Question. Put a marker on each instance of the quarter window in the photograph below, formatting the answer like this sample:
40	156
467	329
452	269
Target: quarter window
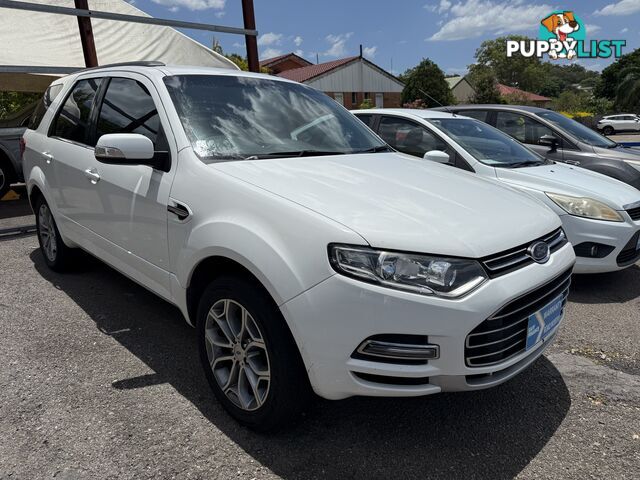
128	108
72	122
522	128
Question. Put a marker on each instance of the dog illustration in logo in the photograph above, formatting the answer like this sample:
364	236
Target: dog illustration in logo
562	25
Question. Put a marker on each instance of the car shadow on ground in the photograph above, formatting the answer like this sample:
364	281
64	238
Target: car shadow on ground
614	287
487	434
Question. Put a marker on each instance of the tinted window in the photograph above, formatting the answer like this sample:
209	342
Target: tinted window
49	96
128	108
72	121
409	137
366	119
477	114
522	127
487	144
236	117
576	129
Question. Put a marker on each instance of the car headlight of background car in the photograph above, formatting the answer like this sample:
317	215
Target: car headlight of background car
424	274
585	207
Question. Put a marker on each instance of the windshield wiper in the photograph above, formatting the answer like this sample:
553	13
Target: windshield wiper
522	164
294	153
379	148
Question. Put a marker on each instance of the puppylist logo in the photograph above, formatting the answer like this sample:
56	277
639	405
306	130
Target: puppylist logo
563	35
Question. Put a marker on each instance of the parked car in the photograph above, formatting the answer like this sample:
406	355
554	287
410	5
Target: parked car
325	260
560	139
11	130
626	122
600	215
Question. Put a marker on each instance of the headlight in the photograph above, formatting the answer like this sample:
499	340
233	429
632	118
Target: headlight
585	207
427	275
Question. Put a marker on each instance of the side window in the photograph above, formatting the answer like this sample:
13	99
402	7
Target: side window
522	128
366	119
409	137
477	114
128	108
72	122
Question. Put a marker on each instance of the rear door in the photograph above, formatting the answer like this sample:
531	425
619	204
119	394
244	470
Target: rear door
131	200
529	131
68	155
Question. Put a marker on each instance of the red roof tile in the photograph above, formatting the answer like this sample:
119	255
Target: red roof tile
506	90
303	74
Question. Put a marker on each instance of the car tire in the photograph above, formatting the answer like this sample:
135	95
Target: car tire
58	256
608	130
6	178
249	356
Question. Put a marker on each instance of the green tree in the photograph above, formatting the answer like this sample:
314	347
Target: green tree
426	77
485	84
612	76
628	90
13	102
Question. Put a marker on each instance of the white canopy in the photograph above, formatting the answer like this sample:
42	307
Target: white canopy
46	39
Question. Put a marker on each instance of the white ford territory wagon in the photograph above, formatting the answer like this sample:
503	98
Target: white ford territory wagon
306	254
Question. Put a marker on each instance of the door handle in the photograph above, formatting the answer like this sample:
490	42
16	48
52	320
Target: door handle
48	158
93	175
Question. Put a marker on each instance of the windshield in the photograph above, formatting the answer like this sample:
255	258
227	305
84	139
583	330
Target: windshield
230	118
582	133
487	144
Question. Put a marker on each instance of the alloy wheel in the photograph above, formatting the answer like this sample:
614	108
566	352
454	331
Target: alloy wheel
3	179
47	232
237	354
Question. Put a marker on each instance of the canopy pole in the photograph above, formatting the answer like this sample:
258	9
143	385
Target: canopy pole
251	40
86	36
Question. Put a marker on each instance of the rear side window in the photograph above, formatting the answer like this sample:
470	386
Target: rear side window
128	108
49	96
72	122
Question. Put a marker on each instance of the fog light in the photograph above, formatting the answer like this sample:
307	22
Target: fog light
399	351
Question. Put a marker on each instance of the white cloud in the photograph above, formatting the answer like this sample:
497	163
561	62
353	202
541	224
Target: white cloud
473	18
298	41
456	71
592	28
338	43
238	45
622	7
270	39
270	53
300	53
192	4
442	7
624	30
220	14
369	52
174	9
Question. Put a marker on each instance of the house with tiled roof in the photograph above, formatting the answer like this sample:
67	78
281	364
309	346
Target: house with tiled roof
350	81
522	96
281	63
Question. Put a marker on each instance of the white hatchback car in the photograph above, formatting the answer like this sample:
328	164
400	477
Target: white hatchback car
303	251
600	215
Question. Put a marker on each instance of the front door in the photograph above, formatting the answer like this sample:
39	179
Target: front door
379	100
131	211
529	131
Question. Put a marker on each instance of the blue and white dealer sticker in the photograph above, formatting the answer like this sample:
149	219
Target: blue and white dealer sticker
544	322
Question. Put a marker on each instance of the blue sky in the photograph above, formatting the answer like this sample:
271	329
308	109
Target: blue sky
397	34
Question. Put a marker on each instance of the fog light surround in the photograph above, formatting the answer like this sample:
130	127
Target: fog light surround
399	351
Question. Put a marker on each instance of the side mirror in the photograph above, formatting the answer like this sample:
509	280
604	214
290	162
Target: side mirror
125	149
437	156
549	141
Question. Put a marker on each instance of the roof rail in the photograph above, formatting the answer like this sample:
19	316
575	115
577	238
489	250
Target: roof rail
152	63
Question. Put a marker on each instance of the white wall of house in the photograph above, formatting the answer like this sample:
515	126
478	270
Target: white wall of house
463	91
356	77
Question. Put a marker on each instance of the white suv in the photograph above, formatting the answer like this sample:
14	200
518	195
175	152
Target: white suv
304	252
619	123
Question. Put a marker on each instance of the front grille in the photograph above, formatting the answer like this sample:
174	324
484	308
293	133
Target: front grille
630	254
515	258
504	334
634	213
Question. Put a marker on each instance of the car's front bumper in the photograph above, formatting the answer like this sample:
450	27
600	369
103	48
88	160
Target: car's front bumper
620	237
330	320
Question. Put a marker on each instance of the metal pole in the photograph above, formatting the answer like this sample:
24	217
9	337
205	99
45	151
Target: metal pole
86	36
251	40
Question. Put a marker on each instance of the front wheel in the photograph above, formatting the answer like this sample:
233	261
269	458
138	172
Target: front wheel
5	179
248	354
608	130
56	254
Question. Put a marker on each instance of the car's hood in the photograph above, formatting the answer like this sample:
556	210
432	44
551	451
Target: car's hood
569	180
620	152
399	202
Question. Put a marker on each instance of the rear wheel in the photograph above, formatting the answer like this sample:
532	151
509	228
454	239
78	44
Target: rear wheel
56	254
248	354
608	130
6	177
